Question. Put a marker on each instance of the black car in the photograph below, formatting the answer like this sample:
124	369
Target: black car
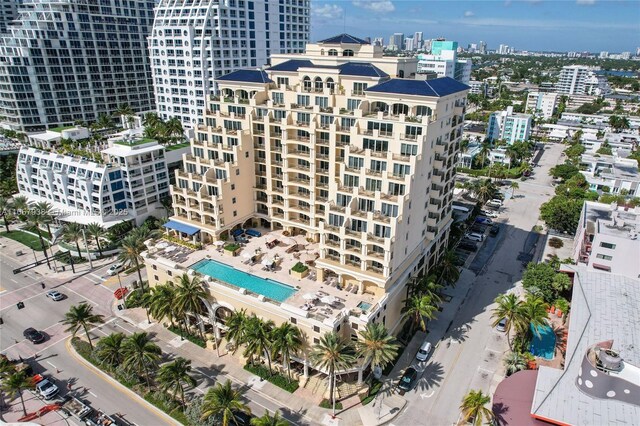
241	418
494	230
406	381
468	246
33	335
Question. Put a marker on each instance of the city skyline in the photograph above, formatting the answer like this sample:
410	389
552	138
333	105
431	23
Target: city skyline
526	25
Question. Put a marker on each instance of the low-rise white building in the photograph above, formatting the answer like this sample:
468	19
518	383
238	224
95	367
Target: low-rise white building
607	239
610	173
126	182
52	137
542	104
509	126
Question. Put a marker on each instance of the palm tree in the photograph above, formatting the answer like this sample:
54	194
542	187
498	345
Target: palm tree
104	122
124	110
514	362
237	328
143	233
45	210
485	190
514	185
376	346
428	285
332	353
173	129
109	349
258	337
175	376
131	249
96	231
485	150
14	384
34	220
82	316
141	355
509	308
189	294
161	302
5	211
449	272
167	203
534	312
151	119
269	420
72	233
285	341
221	402
512	152
21	206
473	408
416	309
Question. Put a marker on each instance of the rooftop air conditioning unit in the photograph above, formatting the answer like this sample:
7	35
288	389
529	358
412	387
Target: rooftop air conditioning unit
609	359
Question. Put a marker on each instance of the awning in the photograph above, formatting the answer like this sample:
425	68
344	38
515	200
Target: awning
513	398
181	227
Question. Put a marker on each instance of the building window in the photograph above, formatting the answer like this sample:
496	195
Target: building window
154	267
293	320
170	273
316	329
155	277
608	245
604	257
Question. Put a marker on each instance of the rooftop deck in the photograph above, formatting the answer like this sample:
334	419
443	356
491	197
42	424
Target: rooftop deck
288	251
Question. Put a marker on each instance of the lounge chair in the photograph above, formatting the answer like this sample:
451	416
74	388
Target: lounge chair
355	289
348	289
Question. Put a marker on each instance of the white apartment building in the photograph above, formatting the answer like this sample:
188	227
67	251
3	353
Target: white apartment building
330	147
610	173
607	239
51	138
542	104
446	64
194	42
127	184
8	12
65	61
509	126
582	80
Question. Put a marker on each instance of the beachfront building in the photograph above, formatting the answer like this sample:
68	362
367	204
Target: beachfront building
330	160
123	182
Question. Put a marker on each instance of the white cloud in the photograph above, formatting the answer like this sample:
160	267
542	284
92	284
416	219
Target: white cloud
468	14
585	2
375	5
327	11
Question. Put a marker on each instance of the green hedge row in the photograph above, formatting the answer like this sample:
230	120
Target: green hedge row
190	337
277	379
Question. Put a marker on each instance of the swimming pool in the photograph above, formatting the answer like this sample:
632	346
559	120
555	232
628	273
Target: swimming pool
364	306
545	345
268	288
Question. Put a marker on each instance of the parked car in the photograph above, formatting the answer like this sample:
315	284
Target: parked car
46	389
33	335
498	195
475	236
55	295
115	268
406	381
496	201
495	229
502	325
483	219
424	351
489	213
468	246
494	204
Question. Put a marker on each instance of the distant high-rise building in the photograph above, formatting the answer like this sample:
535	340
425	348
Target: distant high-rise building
444	61
378	41
426	45
8	12
482	47
397	40
638	51
503	49
189	51
625	55
408	44
582	80
65	61
604	55
417	39
542	104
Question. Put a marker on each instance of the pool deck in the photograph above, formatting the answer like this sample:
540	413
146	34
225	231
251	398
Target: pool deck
284	251
560	328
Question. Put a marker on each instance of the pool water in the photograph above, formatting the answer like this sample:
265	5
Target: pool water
545	345
364	306
268	288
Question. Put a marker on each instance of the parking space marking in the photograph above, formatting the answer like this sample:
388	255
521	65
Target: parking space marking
485	370
51	365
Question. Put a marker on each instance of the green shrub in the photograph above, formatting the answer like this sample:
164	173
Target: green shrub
276	379
163	402
389	367
231	247
190	337
555	242
136	298
182	243
326	403
299	267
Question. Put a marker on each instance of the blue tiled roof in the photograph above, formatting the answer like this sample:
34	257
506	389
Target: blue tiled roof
438	87
364	69
344	38
292	65
247	76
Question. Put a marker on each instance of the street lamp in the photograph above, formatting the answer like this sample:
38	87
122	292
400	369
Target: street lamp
124	302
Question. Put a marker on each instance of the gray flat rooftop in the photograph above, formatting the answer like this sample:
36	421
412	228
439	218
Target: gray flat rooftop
604	307
600	218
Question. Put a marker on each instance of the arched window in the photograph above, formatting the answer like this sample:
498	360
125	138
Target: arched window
318	85
330	84
333	52
423	110
347	52
306	84
400	109
322	52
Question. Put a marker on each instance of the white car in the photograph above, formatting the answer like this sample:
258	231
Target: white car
502	325
496	204
489	213
115	268
55	295
474	236
47	389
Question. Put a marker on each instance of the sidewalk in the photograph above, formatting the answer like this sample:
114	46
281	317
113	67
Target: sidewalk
207	363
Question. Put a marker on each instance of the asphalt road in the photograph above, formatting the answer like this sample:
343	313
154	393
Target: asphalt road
473	357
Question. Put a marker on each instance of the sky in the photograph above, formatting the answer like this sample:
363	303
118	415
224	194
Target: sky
537	25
